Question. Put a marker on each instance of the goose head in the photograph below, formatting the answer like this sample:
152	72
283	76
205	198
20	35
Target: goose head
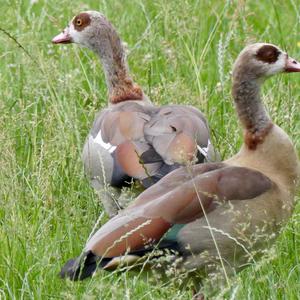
262	60
91	29
86	29
254	64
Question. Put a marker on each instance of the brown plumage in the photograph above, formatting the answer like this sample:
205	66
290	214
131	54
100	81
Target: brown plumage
132	138
246	199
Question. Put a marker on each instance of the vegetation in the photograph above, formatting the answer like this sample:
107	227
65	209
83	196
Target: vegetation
180	52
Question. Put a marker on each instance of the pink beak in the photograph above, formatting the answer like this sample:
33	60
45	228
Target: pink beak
62	38
292	65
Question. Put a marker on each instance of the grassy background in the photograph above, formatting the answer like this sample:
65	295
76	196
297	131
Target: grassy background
180	52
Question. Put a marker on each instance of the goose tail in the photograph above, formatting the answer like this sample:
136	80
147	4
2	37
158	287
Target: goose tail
82	267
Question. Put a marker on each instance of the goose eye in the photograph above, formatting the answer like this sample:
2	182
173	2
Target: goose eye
81	21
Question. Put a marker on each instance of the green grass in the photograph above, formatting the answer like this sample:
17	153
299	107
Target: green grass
180	52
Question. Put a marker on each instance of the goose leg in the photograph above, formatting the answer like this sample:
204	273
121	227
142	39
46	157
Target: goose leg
109	196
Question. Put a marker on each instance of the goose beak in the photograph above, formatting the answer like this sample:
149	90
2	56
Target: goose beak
292	65
62	38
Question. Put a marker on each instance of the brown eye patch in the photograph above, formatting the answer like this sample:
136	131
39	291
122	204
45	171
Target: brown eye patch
268	54
81	21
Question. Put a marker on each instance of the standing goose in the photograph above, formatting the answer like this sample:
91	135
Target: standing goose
132	138
242	201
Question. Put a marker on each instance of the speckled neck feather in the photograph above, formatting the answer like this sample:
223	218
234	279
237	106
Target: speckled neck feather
250	109
107	44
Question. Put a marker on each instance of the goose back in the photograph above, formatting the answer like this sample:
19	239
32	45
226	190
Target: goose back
141	141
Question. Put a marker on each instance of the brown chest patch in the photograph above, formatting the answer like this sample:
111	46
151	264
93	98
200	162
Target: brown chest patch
268	54
252	139
81	21
126	92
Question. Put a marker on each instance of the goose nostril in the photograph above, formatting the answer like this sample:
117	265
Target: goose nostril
294	62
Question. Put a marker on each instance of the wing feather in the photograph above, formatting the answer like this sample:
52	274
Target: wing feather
156	209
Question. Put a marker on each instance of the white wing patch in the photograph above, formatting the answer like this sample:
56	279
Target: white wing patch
204	150
107	146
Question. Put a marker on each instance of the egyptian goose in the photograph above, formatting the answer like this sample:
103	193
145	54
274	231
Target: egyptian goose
132	138
241	202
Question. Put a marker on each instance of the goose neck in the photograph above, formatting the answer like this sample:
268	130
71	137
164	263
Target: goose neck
250	109
112	55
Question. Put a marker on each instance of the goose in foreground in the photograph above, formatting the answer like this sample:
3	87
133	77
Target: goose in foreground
241	202
132	138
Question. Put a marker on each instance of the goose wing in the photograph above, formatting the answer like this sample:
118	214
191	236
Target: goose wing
179	134
176	200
